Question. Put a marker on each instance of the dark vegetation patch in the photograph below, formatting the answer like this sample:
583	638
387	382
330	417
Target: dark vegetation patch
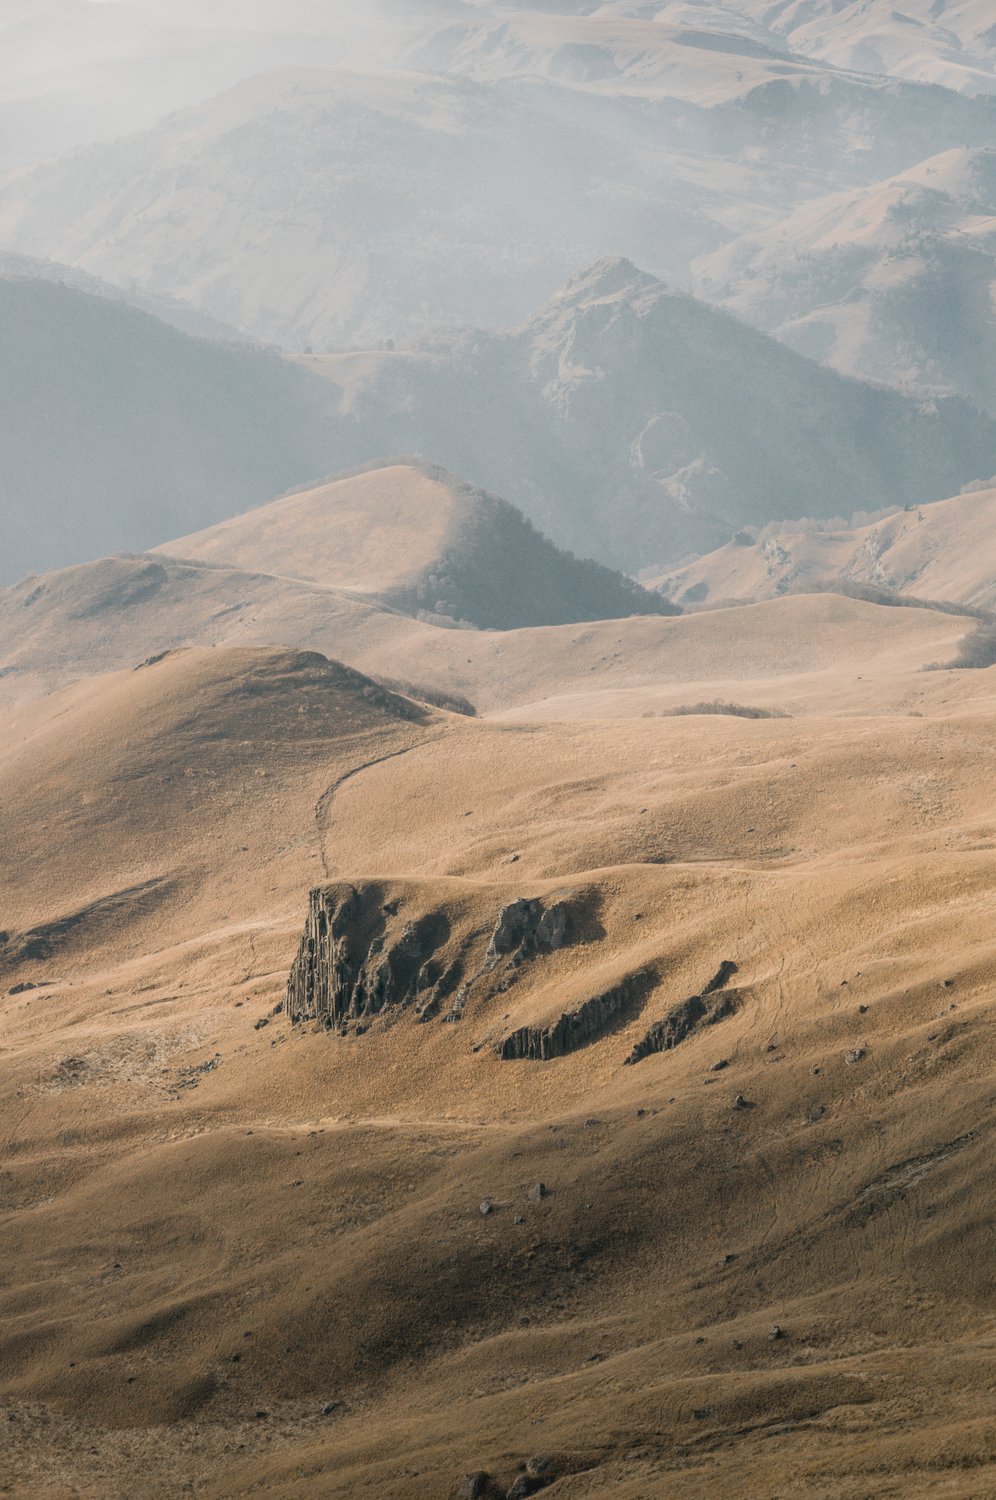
873	593
977	650
735	710
453	703
498	572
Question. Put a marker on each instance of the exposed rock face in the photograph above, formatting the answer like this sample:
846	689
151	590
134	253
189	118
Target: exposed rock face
704	1009
347	969
358	958
578	1027
526	928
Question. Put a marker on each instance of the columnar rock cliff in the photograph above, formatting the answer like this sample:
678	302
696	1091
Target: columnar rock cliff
369	953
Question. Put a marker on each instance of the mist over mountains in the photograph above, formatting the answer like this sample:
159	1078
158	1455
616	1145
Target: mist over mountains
497	739
630	422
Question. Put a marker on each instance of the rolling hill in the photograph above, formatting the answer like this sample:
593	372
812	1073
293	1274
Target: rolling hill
942	551
259	1254
420	540
781	656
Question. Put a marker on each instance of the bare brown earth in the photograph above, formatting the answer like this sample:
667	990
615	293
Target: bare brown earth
239	1261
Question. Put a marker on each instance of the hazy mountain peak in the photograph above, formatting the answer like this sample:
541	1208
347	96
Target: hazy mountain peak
611	276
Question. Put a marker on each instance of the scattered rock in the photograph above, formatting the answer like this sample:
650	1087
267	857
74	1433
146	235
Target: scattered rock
330	1407
538	1191
855	1055
718	1067
741	1103
519	1219
487	1207
263	1021
532	1481
777	1332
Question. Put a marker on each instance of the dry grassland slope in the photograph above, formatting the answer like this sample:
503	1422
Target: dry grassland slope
254	1258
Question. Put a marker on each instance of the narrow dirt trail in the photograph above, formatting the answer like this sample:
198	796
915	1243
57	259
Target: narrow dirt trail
323	807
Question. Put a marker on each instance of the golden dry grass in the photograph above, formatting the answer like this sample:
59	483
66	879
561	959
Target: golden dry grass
300	1229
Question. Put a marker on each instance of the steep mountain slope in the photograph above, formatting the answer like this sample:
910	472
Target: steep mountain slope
357	205
181	315
119	432
691	139
632	422
251	1255
945	551
422	541
896	282
947	42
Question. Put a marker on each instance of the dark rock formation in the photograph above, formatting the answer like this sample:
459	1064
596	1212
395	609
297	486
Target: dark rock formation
526	928
576	1028
347	969
478	1486
360	958
704	1009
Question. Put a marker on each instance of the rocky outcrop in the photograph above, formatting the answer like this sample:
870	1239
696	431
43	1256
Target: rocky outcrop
576	1028
348	968
526	928
363	955
698	1011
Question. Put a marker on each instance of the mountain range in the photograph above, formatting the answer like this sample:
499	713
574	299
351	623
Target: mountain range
497	724
597	419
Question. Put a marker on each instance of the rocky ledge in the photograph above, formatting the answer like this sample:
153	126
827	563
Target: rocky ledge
714	1003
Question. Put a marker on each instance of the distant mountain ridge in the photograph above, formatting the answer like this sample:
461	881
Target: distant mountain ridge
632	422
628	421
892	282
468	139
